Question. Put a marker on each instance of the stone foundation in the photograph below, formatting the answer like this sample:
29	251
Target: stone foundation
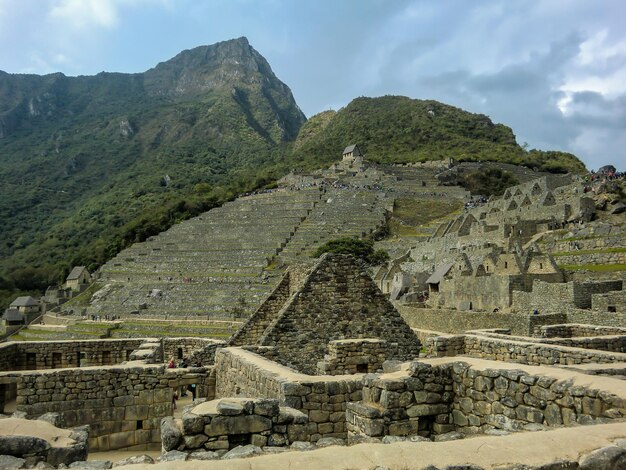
241	373
230	422
123	404
352	356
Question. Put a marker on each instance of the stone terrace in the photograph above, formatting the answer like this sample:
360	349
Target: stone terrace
341	213
208	265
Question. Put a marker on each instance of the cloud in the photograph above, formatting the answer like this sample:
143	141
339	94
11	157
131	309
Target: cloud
83	14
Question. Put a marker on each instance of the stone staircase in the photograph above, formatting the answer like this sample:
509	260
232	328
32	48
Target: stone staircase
341	213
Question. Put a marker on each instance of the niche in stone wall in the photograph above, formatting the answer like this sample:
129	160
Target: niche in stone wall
106	358
57	360
31	361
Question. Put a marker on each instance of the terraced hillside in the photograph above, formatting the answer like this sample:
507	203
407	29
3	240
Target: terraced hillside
214	266
341	213
211	266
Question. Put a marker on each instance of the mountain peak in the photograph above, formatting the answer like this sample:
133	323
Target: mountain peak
197	70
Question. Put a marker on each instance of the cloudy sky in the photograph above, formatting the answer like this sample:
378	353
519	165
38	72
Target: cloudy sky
553	70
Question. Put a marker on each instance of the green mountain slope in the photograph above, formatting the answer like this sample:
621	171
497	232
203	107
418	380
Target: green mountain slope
90	164
397	129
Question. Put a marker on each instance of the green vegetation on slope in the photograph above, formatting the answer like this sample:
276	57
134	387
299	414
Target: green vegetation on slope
397	129
362	249
492	181
90	165
411	216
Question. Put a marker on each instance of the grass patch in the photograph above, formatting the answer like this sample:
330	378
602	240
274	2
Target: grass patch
84	297
418	217
589	252
598	268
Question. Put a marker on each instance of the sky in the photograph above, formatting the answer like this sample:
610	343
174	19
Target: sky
552	70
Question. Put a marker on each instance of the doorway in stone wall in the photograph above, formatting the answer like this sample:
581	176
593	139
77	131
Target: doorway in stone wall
8	394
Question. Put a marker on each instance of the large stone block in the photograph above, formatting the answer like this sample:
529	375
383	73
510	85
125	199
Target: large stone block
427	410
136	412
242	424
404	428
121	439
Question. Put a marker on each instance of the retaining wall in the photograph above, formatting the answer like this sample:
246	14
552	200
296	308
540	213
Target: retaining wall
241	373
122	404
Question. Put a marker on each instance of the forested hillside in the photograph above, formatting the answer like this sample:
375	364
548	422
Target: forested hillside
91	164
397	129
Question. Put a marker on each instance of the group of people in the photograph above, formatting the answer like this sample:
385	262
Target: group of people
104	317
191	388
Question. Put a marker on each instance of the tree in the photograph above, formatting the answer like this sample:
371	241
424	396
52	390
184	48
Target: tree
361	249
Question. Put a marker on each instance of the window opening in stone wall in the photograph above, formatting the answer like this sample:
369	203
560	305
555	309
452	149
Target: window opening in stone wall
57	360
361	368
31	361
540	265
611	309
235	440
106	357
180	353
506	265
128	353
139	424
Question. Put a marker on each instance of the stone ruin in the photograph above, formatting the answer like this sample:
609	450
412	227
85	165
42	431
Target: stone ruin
327	361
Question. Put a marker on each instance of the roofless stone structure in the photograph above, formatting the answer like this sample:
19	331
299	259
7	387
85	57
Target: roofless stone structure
337	300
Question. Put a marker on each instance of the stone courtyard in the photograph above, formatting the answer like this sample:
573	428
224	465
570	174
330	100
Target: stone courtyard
475	348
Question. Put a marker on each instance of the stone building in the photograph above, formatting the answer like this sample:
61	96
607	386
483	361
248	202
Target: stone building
78	278
26	305
491	284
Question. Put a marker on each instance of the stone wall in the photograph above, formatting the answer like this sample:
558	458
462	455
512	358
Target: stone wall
123	404
521	350
571	330
323	399
455	321
351	356
514	400
584	291
561	298
611	302
475	397
38	355
597	318
613	343
407	403
230	422
480	293
534	353
591	258
445	345
196	351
